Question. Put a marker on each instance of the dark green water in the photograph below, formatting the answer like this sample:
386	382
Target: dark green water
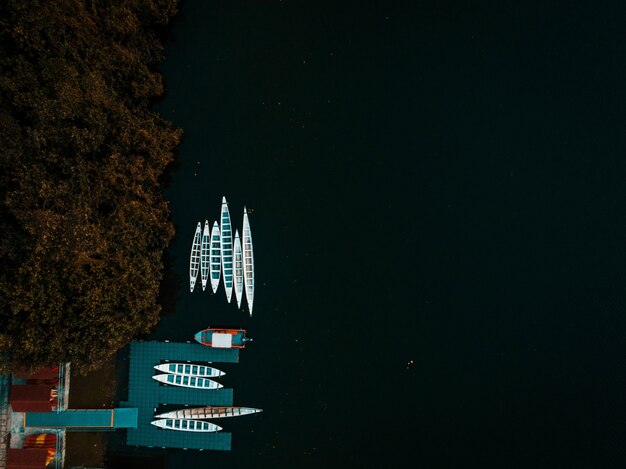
438	228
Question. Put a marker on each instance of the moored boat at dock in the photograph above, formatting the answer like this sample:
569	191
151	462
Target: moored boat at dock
187	381
189	369
194	258
215	257
209	412
204	254
226	241
222	338
238	269
186	425
248	261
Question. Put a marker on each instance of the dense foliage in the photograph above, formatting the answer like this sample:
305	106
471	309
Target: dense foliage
83	220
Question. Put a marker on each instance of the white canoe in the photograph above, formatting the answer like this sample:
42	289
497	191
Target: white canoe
238	269
215	257
211	412
187	381
189	369
186	425
194	258
248	261
227	249
204	254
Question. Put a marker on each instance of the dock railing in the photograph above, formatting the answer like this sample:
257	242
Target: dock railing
5	421
63	389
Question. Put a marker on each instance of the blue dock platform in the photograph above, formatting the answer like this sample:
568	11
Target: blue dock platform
147	394
83	419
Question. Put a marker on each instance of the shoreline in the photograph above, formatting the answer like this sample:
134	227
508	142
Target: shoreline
94	390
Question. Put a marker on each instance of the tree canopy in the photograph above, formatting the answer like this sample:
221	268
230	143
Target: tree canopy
83	220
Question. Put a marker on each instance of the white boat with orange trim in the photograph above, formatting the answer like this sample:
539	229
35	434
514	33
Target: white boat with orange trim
222	338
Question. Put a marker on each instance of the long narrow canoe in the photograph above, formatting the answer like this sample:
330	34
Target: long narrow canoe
194	258
238	269
188	369
227	250
210	412
215	257
248	261
186	425
204	254
187	381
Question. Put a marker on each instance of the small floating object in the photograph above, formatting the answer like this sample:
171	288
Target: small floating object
187	381
186	425
248	261
238	269
204	254
222	338
210	412
227	249
188	369
194	258
215	257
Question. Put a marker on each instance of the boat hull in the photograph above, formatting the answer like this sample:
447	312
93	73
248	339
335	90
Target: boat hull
222	338
194	257
184	425
215	257
248	261
188	369
226	245
204	254
238	269
209	412
187	381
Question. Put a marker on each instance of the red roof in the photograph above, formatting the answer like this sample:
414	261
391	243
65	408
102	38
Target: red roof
49	372
41	440
30	398
27	458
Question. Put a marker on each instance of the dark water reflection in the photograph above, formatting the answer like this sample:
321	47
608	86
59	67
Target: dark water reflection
429	224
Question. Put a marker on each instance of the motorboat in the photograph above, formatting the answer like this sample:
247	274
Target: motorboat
222	338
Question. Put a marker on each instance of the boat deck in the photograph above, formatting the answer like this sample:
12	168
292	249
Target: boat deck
206	336
147	394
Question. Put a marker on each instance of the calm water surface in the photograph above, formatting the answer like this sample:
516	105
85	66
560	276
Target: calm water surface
438	256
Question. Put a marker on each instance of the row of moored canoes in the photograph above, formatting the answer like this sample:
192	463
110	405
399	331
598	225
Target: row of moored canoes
186	375
192	419
214	254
